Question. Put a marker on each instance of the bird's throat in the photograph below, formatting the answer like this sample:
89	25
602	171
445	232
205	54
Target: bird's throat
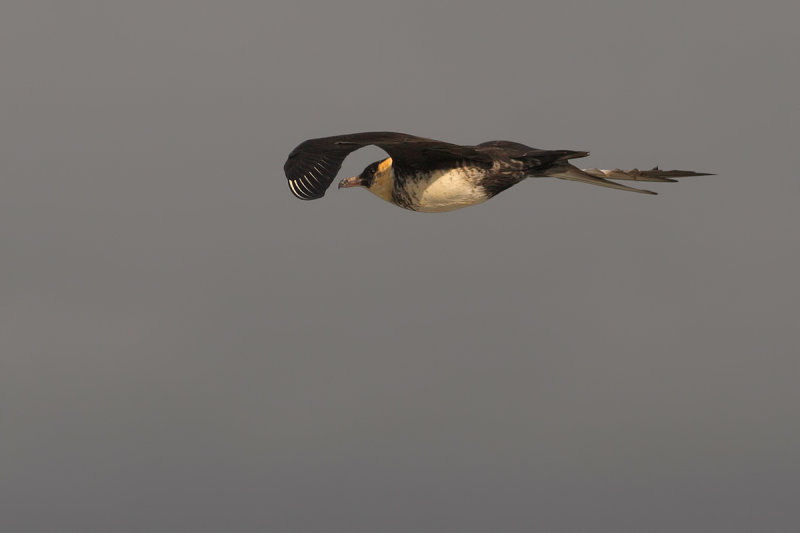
383	180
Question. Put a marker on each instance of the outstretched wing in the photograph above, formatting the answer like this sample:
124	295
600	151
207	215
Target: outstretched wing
313	165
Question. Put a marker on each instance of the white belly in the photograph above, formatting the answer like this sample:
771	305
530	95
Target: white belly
448	190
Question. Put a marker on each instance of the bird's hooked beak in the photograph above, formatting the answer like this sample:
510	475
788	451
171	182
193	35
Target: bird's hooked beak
355	181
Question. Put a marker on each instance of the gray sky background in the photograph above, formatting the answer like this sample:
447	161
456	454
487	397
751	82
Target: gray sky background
184	346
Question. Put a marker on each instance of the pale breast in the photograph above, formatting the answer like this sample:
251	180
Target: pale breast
446	190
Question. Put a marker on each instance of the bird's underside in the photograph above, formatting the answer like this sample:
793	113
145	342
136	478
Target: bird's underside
429	175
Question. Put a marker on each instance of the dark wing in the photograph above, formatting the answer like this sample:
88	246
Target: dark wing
528	154
313	165
511	148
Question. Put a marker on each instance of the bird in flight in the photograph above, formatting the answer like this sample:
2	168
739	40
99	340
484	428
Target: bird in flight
433	176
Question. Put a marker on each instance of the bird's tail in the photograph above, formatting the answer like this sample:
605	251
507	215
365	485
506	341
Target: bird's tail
596	176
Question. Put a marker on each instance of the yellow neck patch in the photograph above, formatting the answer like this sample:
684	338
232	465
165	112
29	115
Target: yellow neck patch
384	165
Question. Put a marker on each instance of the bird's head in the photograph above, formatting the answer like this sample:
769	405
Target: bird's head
362	180
378	177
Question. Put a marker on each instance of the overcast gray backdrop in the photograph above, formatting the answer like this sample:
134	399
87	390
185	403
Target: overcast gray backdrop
186	347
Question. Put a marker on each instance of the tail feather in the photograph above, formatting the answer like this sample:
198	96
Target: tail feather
655	174
566	171
596	176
